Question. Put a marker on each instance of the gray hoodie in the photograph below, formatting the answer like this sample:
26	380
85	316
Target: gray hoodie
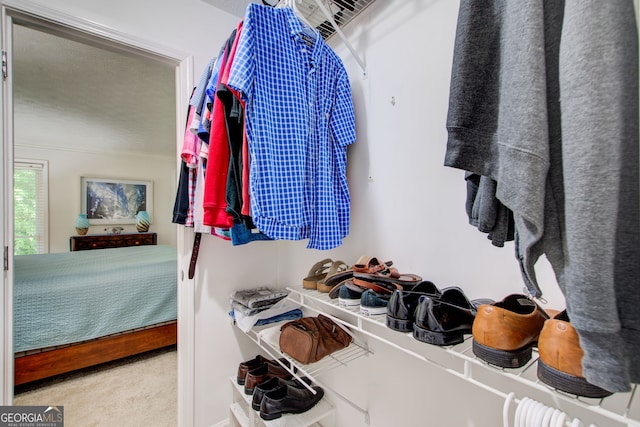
544	100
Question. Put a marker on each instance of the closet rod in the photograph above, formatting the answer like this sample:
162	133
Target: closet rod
333	23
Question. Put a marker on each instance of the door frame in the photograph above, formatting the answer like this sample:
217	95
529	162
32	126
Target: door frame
38	16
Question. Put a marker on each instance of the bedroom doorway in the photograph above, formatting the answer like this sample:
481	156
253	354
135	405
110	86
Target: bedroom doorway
35	28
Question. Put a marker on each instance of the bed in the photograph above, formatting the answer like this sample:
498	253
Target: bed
78	309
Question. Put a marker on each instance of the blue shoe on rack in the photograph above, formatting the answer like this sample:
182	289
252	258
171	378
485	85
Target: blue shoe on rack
349	295
373	303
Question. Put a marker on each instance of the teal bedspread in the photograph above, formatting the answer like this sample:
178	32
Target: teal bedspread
64	298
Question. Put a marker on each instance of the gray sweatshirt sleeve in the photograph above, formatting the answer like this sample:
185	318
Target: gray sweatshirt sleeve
497	118
599	98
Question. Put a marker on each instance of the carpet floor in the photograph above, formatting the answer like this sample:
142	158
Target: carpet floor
137	391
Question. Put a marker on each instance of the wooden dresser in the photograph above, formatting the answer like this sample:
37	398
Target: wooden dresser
102	241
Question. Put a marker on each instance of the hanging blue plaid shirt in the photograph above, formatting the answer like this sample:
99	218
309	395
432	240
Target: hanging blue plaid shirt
299	122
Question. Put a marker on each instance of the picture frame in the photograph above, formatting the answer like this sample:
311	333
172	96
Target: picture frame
115	201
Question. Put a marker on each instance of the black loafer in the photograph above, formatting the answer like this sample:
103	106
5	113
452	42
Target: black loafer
402	305
444	320
288	400
270	385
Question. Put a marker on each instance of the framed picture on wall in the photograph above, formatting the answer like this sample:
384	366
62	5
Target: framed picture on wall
115	201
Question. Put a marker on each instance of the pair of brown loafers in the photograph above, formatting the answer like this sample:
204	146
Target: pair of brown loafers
560	358
258	370
505	332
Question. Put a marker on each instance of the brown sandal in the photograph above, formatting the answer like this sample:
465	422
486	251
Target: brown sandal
370	269
317	272
364	264
371	265
339	271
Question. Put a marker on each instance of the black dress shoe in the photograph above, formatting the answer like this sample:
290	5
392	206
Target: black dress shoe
288	400
402	305
444	320
271	384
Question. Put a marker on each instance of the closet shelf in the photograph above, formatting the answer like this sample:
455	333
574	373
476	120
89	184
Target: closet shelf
329	16
267	337
246	416
270	336
620	409
341	11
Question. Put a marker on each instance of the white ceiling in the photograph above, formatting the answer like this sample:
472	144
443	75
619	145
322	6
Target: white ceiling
234	7
75	96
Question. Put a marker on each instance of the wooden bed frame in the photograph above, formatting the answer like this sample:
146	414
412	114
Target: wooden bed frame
33	367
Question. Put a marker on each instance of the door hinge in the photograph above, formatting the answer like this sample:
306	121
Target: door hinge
6	258
4	65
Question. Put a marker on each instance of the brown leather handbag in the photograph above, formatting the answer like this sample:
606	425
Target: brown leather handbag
309	339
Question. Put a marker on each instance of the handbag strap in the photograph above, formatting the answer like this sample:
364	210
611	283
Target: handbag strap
337	331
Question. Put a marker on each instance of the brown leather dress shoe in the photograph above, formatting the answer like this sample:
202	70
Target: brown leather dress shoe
505	332
267	370
560	362
246	366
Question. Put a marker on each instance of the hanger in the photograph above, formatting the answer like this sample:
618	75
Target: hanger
336	27
328	14
293	5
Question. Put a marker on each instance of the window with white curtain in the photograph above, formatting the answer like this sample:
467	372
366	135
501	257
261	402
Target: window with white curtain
31	206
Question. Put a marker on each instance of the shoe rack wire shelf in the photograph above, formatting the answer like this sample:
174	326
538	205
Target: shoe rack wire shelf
619	409
340	11
267	337
246	416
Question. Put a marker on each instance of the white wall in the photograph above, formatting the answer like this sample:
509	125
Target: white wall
408	208
67	167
